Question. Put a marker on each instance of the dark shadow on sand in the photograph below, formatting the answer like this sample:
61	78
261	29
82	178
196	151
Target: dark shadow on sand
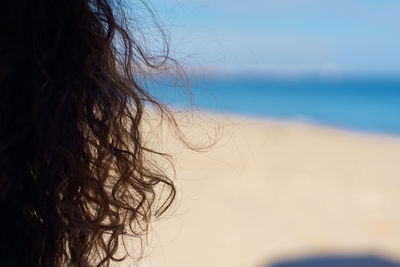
336	261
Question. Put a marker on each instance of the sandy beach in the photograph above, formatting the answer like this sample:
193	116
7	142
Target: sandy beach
272	190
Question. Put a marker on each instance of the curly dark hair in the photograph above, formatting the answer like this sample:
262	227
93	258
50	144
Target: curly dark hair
75	178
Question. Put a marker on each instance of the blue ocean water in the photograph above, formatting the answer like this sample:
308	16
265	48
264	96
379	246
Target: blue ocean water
370	104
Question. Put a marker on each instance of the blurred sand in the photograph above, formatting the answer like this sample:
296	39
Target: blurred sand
269	190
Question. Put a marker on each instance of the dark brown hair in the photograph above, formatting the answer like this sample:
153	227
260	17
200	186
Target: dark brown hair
74	176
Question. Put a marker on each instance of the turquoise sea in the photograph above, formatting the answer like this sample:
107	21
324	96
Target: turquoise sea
368	104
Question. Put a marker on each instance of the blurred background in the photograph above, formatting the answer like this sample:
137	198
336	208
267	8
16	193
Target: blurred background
306	172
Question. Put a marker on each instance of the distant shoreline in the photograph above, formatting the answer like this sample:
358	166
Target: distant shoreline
368	104
225	115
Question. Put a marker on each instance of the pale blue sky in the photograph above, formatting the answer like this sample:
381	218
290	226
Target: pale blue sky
295	36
